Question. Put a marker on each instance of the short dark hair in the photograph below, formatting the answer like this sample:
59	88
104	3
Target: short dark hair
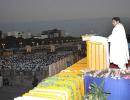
116	19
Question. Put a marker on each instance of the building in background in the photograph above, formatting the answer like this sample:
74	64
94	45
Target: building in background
54	33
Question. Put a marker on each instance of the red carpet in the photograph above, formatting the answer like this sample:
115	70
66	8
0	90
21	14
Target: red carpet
115	66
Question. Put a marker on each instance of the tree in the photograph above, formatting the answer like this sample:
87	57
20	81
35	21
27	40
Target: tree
0	34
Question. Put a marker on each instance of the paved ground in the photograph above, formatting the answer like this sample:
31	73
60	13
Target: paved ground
18	86
10	92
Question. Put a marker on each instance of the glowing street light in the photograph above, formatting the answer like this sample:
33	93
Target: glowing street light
20	44
3	45
33	43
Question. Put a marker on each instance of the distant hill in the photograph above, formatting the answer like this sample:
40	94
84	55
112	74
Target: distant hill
99	26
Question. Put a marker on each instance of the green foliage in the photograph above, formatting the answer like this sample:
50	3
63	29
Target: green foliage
97	92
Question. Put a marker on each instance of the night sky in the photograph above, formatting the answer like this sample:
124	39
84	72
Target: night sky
22	11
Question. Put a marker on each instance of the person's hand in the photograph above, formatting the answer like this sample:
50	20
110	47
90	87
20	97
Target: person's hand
86	37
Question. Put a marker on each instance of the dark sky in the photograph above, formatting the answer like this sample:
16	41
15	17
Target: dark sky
44	10
76	17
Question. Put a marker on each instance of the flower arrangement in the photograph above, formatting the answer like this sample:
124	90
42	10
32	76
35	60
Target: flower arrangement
113	73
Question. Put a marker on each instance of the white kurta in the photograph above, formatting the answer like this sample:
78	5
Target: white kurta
119	53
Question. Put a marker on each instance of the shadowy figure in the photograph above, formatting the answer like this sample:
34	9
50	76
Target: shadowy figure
35	81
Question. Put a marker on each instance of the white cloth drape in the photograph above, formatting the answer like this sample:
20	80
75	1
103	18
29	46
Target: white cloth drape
119	53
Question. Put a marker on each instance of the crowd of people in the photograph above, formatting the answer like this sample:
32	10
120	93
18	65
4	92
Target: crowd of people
30	62
21	65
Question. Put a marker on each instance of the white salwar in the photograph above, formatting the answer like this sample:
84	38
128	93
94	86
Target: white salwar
119	53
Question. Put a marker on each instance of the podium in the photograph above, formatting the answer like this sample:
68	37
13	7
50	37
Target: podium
97	52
